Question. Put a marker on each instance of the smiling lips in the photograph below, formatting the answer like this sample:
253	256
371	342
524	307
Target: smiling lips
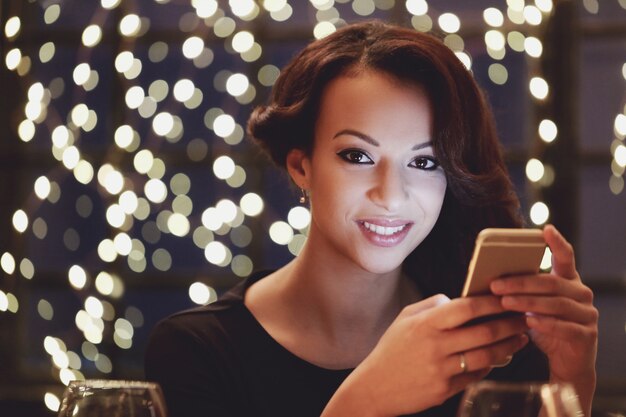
382	230
388	235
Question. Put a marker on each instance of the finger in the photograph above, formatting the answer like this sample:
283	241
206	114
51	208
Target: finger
563	262
426	304
558	307
460	381
560	329
484	357
461	310
471	337
545	284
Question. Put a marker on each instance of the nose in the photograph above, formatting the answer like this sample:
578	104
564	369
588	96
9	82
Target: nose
389	187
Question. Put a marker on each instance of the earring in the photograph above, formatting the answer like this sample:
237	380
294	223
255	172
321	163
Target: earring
303	196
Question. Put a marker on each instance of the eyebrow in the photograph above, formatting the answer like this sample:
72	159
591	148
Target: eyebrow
372	141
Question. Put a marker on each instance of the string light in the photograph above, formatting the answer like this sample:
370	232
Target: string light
12	27
618	150
449	22
417	7
281	232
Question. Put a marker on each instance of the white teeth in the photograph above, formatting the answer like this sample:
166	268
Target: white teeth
381	230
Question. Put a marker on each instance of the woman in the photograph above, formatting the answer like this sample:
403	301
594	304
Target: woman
390	138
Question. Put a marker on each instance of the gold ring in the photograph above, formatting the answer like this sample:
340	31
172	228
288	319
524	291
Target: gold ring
463	363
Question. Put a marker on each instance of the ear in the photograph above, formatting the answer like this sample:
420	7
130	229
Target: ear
299	167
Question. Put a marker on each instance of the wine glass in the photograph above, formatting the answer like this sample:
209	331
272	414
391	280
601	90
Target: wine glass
495	399
108	398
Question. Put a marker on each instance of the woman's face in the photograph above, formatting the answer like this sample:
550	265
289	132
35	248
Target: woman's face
375	186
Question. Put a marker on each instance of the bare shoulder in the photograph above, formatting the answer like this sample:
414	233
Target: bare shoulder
264	295
267	301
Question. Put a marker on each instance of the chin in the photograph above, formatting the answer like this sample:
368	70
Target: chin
381	268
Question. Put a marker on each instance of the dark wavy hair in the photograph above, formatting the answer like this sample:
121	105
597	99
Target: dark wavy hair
479	193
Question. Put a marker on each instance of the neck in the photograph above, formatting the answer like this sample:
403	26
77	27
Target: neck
342	300
326	309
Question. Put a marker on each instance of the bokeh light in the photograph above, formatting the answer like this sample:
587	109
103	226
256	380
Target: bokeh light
539	88
493	17
201	293
534	170
12	26
547	130
539	213
42	187
449	22
417	7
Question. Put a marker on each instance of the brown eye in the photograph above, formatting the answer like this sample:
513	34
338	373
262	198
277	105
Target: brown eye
425	163
355	156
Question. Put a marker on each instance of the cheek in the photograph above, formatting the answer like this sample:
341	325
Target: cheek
430	193
333	183
328	191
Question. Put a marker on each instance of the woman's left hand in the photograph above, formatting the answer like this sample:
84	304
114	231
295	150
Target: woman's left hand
560	314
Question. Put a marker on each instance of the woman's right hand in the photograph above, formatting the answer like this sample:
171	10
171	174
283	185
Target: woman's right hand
418	362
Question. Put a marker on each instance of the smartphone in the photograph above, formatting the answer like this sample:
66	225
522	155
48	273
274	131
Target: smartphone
502	252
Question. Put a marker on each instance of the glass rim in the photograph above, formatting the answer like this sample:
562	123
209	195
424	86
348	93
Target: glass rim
112	384
516	386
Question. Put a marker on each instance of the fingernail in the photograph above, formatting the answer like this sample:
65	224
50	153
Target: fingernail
497	286
532	320
508	301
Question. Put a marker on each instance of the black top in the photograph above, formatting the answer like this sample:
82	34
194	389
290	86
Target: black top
218	361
